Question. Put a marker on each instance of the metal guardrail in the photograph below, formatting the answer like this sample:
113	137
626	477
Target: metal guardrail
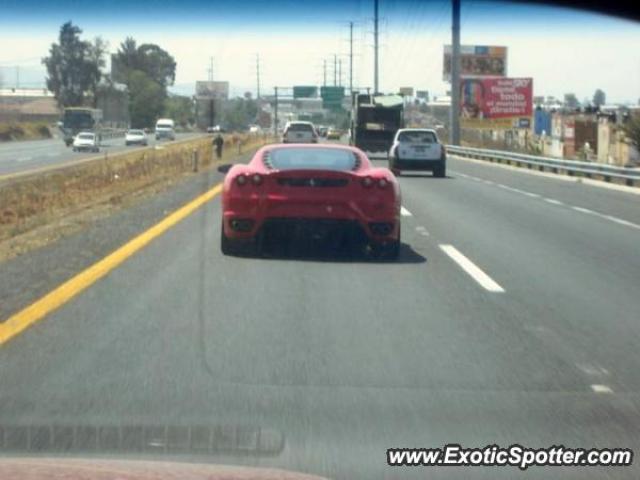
608	173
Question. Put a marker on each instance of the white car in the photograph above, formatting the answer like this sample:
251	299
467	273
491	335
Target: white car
418	149
299	132
86	141
136	137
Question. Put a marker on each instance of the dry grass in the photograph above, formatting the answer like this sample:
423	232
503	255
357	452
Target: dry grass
24	131
39	209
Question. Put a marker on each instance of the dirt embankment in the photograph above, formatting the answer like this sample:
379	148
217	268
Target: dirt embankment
24	131
36	210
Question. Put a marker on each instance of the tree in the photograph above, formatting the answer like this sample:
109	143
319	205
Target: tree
97	51
180	109
632	130
140	66
71	69
599	98
239	113
146	99
571	101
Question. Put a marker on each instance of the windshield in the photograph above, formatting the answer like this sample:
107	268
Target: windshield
417	137
354	239
312	159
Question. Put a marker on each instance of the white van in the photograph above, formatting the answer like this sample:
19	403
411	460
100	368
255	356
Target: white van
165	128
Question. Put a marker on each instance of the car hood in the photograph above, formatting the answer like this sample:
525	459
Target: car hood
101	469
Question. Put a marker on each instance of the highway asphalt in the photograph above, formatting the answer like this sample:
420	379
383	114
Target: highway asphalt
22	156
512	316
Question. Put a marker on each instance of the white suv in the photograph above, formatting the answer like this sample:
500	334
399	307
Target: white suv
418	149
299	132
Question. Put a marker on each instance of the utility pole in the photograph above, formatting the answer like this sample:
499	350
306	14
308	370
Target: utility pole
350	58
275	114
210	69
340	72
325	73
375	47
258	75
335	70
454	132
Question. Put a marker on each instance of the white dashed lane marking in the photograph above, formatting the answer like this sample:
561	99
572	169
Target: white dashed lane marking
405	213
601	389
472	269
553	201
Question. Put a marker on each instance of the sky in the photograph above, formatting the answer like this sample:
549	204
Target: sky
562	50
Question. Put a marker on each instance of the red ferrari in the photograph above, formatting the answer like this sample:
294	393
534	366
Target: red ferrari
322	192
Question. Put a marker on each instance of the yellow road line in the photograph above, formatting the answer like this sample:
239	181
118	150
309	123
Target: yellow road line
69	289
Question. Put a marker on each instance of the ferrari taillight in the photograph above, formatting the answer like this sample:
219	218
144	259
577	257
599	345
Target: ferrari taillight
256	179
241	180
367	182
383	182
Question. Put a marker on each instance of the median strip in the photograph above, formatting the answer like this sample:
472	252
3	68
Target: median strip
20	321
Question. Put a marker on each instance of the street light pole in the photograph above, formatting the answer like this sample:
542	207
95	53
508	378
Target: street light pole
454	132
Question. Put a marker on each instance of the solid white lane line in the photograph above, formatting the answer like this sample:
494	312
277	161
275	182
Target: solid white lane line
472	269
531	194
422	231
553	201
621	221
405	213
601	388
590	369
583	210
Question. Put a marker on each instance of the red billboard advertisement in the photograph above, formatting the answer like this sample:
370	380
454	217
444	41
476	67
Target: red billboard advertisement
496	103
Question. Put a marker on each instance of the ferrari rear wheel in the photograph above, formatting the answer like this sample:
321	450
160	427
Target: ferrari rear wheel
389	251
236	248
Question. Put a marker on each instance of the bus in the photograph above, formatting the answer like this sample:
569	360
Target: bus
81	119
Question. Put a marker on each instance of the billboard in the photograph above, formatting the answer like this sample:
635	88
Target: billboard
210	89
477	61
496	103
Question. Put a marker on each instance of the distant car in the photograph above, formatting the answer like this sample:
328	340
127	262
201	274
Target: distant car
165	128
322	131
255	129
299	132
217	129
136	137
418	149
211	129
334	134
326	192
86	142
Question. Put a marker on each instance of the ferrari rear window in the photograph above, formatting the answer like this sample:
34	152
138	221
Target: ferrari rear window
311	159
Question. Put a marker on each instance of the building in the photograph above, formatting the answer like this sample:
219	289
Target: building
28	104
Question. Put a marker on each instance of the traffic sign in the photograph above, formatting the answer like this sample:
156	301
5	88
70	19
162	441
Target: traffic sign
332	97
304	91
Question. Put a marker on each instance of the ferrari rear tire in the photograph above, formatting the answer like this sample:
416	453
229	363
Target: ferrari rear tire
236	248
389	251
